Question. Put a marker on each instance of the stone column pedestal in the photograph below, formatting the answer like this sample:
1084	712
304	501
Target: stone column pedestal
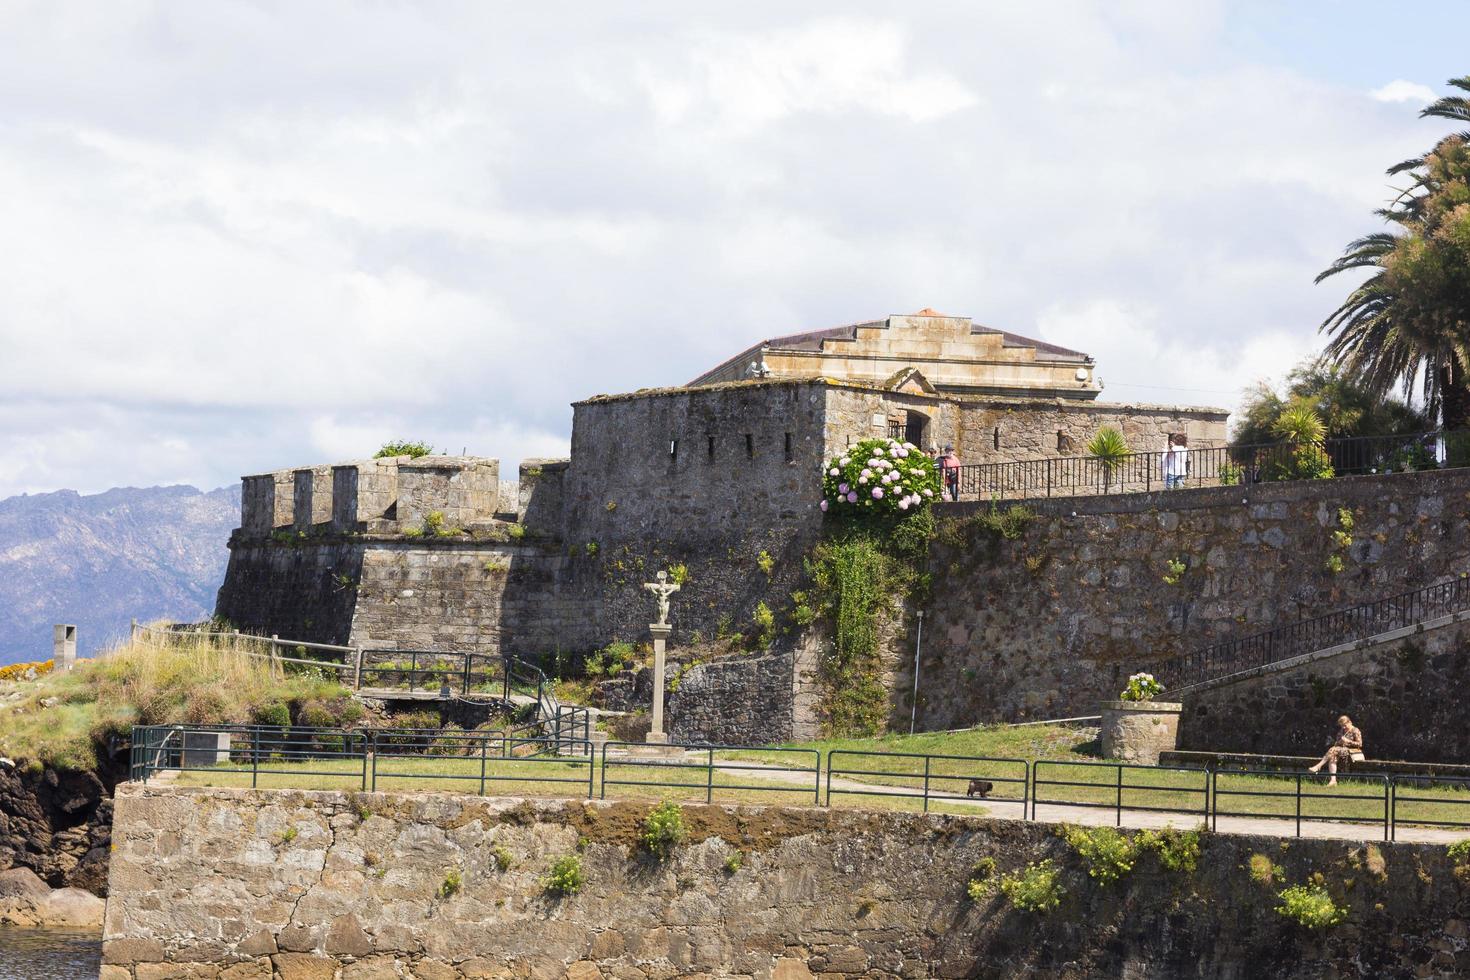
1137	731
64	646
656	734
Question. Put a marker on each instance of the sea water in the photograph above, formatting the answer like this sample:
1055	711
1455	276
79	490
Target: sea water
49	954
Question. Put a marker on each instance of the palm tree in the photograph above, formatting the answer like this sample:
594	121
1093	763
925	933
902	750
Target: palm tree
1410	321
1110	449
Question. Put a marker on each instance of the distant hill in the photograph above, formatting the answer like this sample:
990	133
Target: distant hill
102	559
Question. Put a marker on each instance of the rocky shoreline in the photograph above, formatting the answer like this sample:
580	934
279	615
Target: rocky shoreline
56	826
27	901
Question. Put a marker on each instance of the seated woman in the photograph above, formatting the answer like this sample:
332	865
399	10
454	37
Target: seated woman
1346	747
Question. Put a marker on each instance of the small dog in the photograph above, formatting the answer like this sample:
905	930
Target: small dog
980	788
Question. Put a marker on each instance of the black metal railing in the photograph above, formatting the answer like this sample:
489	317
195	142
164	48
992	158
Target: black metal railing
1120	786
1320	632
1210	466
716	773
929	778
479	762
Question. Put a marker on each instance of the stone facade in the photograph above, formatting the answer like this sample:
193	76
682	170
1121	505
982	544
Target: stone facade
1406	695
952	353
1049	624
1137	731
240	883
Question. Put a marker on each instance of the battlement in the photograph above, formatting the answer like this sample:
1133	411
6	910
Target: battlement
389	495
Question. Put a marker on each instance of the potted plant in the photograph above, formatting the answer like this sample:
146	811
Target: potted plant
1136	727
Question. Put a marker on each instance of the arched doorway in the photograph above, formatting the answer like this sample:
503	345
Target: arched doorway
916	428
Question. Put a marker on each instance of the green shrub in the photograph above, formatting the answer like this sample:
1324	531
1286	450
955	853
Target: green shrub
1310	906
274	713
502	858
1230	474
402	448
734	862
1038	888
765	562
1009	523
452	883
982	880
565	876
1177	850
1333	565
1109	854
663	830
1174	571
1459	851
765	625
679	574
1110	449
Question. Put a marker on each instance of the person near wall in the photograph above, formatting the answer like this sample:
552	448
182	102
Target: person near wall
1347	746
1176	461
949	467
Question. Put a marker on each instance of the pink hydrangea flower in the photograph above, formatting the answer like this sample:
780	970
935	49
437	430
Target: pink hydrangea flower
852	496
866	474
842	488
877	493
823	505
903	504
928	492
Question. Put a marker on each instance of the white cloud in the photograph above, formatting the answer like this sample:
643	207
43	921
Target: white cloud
1400	90
243	237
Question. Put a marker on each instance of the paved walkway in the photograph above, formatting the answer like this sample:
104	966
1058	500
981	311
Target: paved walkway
1108	816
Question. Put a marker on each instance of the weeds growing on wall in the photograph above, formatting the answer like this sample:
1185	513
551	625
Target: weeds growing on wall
663	830
1037	888
565	876
400	447
1310	906
861	573
1109	854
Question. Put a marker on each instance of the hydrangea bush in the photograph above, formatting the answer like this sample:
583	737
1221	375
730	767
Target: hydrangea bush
879	476
1141	687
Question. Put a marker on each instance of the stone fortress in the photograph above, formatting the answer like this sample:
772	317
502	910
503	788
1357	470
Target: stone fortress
723	476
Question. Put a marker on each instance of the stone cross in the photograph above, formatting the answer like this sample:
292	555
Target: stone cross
662	589
660	630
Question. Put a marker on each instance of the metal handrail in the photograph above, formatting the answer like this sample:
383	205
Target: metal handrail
1306	636
1144	472
272	750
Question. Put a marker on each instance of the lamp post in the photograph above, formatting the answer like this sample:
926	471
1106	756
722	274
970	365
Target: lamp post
918	642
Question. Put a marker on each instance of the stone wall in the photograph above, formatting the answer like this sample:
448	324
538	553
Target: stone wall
302	589
736	700
1406	694
243	883
1049	624
1008	429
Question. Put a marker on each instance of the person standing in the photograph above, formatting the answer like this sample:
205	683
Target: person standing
1176	461
949	468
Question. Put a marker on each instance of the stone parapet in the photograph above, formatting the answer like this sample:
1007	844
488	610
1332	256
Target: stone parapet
260	883
462	489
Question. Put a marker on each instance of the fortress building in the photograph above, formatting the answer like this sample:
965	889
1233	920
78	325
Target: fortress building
438	553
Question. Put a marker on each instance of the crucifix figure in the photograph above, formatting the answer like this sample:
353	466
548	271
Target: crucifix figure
660	630
662	589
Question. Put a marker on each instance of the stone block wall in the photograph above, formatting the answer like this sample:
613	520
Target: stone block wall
1407	695
541	502
301	590
257	505
467	596
312	497
1051	623
243	883
1007	429
736	700
465	489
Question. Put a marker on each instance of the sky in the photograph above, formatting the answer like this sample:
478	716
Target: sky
247	236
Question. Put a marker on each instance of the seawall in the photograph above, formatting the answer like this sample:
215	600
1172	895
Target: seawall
241	883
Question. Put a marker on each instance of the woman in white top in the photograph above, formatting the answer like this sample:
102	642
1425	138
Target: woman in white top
1176	461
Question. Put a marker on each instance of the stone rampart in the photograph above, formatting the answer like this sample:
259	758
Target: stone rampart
241	883
1052	622
1407	694
1008	429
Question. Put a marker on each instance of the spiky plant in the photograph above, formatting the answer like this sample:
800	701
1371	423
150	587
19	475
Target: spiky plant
1109	448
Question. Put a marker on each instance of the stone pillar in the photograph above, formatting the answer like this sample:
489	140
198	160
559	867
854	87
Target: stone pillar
284	504
303	490
64	646
1137	731
257	504
656	734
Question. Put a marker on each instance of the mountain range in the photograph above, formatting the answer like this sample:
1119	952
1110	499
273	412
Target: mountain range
100	560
